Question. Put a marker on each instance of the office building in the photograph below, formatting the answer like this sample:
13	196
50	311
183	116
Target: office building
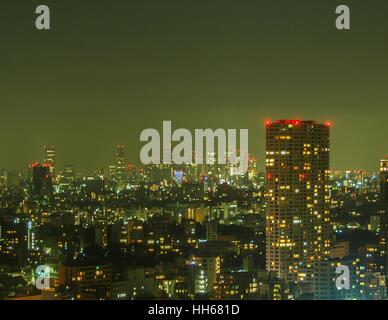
326	283
121	173
41	180
49	158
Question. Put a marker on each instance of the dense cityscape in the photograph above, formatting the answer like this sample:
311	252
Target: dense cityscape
276	232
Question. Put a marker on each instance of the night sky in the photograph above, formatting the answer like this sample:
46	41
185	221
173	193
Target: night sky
109	69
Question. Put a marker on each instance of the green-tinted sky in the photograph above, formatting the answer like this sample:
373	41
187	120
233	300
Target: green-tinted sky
109	69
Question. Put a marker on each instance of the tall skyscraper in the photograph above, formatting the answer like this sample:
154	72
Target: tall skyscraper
67	178
298	228
68	172
384	214
41	180
49	158
120	167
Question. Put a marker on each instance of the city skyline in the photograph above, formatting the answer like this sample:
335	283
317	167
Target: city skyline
193	231
196	151
61	161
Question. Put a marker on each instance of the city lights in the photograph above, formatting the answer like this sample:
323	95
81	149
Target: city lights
157	210
185	156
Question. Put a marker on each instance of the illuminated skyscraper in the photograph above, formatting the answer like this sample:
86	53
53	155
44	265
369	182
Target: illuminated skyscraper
298	229
120	167
49	158
384	213
67	178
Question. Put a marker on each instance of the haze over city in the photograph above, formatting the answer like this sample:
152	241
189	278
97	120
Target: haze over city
107	70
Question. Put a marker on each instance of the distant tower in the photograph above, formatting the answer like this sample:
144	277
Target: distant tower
384	213
49	158
298	229
120	167
252	168
41	180
69	172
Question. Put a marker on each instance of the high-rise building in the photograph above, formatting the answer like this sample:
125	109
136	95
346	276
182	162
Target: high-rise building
298	228
384	214
41	180
69	173
120	173
49	158
66	179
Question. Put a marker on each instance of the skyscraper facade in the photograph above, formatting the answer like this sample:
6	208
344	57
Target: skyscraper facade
384	214
298	228
121	173
49	158
41	180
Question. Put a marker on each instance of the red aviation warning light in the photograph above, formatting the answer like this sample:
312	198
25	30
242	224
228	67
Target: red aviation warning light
34	165
328	123
267	122
294	122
